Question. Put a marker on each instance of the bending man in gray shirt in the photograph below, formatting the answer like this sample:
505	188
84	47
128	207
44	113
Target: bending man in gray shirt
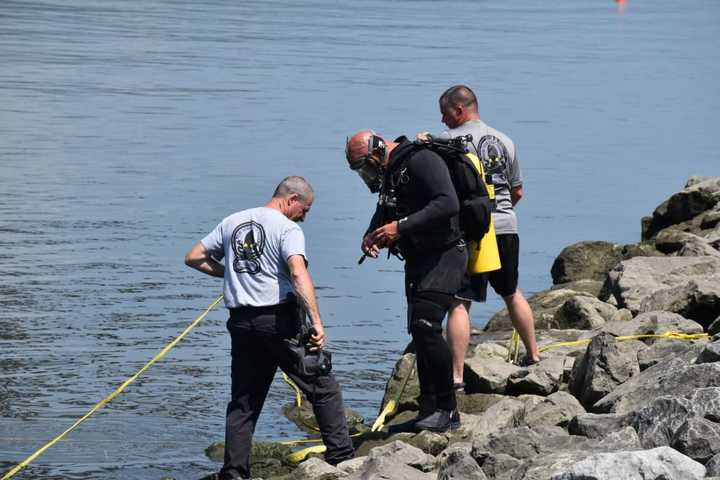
266	279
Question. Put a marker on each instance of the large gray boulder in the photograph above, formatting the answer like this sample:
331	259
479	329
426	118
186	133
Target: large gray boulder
317	469
662	463
675	241
503	415
460	465
698	438
662	350
584	313
633	281
685	205
585	260
598	425
652	323
698	299
543	304
556	409
396	460
713	466
542	378
674	375
487	375
605	365
657	422
709	354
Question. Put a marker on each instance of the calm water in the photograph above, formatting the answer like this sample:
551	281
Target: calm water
128	129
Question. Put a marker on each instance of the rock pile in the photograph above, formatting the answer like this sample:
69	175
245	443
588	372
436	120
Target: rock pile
612	397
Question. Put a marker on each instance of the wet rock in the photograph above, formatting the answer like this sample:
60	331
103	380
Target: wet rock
584	313
543	304
459	465
594	425
657	464
304	417
317	469
698	438
542	378
267	459
635	280
674	375
585	260
487	375
605	365
557	409
404	369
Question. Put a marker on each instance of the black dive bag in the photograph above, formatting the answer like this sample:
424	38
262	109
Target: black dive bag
475	203
307	363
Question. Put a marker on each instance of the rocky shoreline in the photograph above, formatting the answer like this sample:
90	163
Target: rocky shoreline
615	396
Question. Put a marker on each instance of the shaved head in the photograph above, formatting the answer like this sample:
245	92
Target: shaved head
459	95
357	145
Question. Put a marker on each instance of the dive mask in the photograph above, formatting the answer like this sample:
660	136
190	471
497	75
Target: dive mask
369	170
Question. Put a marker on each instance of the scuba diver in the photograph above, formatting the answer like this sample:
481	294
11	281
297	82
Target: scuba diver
417	219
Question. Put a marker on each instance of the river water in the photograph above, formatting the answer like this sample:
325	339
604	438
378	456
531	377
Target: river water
129	129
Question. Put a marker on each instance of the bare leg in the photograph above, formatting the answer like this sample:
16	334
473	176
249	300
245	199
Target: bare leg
458	336
522	319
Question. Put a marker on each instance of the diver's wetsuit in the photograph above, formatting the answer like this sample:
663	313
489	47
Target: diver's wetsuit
435	256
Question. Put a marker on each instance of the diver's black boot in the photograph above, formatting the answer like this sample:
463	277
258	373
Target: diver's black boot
439	421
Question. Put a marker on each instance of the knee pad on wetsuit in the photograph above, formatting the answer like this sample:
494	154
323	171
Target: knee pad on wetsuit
427	312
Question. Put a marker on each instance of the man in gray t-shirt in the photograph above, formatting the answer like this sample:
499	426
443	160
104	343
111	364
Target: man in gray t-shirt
266	280
459	109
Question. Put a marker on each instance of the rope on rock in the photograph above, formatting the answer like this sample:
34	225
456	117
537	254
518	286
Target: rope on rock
514	348
300	455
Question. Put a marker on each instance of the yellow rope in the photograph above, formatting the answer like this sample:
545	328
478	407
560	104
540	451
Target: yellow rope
114	394
667	335
300	455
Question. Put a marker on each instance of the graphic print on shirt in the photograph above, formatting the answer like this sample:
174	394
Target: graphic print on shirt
495	159
248	243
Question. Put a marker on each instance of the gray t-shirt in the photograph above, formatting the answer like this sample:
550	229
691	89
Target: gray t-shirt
499	158
256	245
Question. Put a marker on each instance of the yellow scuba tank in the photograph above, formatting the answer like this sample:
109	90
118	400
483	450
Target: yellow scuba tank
484	255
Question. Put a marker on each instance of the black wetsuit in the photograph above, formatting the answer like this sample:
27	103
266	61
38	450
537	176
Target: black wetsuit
418	192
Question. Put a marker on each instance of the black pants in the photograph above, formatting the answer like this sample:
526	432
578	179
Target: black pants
256	355
431	283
